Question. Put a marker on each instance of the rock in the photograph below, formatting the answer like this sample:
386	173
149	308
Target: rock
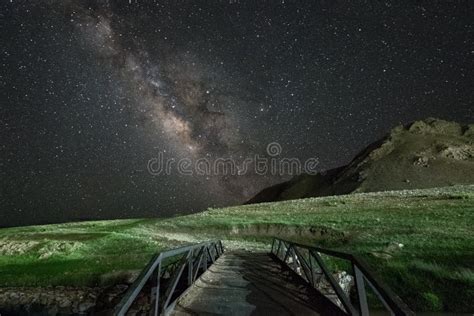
444	127
418	127
15	247
469	131
393	247
421	161
49	300
64	303
464	152
43	299
345	280
85	306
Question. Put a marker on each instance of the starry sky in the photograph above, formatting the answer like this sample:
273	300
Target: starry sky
92	90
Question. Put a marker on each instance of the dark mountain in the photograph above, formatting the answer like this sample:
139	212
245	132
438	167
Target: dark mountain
423	154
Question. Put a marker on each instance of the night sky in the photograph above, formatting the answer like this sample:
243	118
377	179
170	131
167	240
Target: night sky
91	92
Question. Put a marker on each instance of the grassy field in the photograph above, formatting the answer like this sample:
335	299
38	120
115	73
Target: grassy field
420	242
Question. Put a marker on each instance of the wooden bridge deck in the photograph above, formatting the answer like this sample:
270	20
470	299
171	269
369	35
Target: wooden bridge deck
249	283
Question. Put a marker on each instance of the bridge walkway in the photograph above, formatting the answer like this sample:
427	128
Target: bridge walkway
252	283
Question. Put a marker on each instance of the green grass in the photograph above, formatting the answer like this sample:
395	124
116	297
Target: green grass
432	271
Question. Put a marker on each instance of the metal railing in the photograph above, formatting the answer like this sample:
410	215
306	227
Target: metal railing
308	263
195	259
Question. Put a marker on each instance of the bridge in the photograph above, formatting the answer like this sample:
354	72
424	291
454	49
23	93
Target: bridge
291	279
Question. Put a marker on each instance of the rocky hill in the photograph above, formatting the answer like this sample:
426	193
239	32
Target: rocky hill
423	154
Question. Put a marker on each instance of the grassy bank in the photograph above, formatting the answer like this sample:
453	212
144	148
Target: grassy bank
420	242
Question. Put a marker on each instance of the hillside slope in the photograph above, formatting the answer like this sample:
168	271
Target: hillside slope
431	272
424	154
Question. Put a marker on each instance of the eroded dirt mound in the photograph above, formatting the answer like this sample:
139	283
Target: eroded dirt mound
42	248
14	247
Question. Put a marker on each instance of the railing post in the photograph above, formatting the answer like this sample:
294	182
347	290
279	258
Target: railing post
199	263
295	258
210	254
204	262
154	278
287	254
304	265
190	267
174	282
361	294
217	250
156	312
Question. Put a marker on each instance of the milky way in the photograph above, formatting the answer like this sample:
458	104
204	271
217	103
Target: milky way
174	97
176	94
